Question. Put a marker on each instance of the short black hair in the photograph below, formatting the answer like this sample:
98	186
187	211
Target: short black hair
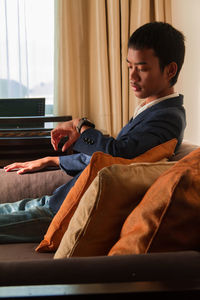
167	42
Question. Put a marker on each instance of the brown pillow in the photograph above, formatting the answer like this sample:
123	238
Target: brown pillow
98	161
113	194
168	217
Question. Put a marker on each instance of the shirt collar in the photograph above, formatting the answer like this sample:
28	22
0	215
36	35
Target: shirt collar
142	106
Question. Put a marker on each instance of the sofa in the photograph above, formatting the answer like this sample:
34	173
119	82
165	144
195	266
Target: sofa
28	273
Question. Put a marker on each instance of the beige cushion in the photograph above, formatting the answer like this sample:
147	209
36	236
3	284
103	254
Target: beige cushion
113	194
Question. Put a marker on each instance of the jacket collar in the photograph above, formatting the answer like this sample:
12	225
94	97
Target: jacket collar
143	105
171	102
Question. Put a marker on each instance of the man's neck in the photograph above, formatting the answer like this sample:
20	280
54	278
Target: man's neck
161	95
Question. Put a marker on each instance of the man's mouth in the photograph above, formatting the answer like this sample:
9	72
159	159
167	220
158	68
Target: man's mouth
135	87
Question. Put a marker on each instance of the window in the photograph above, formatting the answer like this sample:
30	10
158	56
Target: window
27	49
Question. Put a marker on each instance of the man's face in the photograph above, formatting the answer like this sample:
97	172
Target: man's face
146	78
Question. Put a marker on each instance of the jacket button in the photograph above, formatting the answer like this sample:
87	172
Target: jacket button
88	141
85	140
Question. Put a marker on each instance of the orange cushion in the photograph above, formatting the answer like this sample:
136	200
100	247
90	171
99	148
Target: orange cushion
168	217
98	161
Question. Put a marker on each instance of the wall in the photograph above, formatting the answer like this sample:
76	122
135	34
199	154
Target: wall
185	17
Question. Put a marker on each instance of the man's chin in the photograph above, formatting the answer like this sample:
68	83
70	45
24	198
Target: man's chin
140	95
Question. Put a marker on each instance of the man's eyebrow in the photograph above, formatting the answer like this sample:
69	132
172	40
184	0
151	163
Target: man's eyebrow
138	63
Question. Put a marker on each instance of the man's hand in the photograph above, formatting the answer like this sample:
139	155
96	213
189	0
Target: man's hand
32	166
65	129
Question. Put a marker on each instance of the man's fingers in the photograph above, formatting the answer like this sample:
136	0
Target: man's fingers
12	167
66	146
67	129
53	142
55	139
21	167
59	133
69	142
22	171
55	145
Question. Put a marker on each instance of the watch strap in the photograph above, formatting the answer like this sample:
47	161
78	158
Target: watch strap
82	122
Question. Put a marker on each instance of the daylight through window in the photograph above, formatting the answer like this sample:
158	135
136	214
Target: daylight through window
27	49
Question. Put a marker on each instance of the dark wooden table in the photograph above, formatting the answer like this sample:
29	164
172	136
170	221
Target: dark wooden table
19	141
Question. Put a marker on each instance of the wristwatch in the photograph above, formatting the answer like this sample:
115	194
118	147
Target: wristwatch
82	122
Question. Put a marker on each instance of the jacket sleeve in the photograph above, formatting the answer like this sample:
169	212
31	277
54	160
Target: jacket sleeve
75	163
156	128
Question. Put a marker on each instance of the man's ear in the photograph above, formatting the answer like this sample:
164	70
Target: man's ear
171	70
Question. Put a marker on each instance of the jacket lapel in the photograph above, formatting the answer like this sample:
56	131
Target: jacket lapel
131	124
134	121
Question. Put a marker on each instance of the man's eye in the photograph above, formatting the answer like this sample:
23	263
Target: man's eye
142	70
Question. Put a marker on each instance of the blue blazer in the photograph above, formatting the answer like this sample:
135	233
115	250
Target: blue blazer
155	125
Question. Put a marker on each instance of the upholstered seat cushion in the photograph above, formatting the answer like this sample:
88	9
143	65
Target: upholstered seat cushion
21	252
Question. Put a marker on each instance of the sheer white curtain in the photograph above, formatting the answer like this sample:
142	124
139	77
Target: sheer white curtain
14	77
26	48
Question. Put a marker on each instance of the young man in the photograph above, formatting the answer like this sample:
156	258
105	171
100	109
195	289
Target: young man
155	57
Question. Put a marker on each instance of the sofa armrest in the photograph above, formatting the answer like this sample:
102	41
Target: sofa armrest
185	148
16	187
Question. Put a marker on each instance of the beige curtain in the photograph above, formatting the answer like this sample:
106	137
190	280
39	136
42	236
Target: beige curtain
91	75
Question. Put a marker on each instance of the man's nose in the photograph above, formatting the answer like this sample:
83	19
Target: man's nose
134	76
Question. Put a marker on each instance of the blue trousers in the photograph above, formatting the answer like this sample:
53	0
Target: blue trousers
25	220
